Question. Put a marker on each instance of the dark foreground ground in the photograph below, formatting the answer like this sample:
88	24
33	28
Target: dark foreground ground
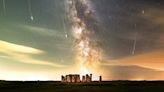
110	86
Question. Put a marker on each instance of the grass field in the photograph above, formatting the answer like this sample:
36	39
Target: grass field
110	86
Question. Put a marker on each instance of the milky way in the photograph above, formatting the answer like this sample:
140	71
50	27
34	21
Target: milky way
83	26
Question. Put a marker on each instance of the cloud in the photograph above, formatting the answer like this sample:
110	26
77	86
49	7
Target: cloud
22	54
7	47
156	15
153	60
131	72
42	31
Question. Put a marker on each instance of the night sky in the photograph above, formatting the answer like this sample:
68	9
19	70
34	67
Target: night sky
36	42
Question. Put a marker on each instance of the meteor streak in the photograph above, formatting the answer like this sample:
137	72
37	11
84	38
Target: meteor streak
135	43
30	10
4	7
